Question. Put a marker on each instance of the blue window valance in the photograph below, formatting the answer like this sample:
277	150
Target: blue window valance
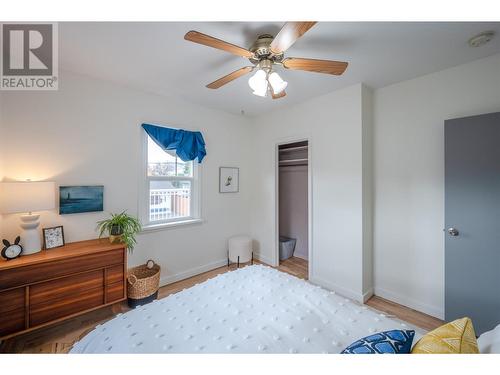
187	145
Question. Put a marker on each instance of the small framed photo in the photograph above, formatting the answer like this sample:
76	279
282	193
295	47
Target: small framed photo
53	237
229	180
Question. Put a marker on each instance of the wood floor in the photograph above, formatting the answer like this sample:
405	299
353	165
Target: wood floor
414	317
295	266
60	338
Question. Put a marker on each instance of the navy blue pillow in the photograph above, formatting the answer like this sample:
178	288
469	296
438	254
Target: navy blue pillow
388	342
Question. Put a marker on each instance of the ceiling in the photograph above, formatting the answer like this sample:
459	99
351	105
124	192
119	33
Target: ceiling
155	57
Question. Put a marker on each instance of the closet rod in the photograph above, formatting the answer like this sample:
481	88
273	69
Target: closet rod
293	165
293	148
293	160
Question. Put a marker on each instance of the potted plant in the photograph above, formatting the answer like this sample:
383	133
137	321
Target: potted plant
121	228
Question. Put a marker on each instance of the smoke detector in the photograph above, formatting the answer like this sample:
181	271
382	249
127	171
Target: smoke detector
481	39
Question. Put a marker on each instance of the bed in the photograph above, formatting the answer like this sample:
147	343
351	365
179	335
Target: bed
255	309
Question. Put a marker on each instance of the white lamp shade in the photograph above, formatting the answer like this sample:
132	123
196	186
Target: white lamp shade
26	196
258	83
277	83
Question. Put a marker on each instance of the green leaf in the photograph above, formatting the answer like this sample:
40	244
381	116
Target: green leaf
130	226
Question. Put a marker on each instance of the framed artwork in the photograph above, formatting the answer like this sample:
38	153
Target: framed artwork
78	199
53	237
229	180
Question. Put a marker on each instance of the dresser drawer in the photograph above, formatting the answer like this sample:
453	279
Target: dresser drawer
11	300
51	310
114	292
114	274
52	285
39	272
12	322
65	287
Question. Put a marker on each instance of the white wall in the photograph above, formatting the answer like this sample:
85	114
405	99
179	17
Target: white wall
88	132
333	125
409	176
367	194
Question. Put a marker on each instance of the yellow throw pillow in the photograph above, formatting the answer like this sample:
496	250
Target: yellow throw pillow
452	338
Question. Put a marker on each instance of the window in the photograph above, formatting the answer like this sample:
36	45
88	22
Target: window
171	187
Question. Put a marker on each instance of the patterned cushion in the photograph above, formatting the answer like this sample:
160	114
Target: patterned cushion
452	338
388	342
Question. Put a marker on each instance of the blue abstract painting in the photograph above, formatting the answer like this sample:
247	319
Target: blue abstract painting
77	199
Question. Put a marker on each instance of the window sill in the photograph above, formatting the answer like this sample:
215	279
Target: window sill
173	224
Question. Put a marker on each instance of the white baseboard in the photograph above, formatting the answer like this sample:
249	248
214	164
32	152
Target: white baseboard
411	303
341	290
169	279
263	259
368	294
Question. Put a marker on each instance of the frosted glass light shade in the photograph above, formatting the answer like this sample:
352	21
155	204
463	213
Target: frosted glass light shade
262	92
258	83
277	83
26	196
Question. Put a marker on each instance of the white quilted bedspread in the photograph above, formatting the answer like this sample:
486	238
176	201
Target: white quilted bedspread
255	309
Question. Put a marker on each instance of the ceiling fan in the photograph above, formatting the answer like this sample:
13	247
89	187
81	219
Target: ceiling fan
266	52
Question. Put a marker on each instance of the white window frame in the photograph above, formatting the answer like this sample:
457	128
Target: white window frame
144	193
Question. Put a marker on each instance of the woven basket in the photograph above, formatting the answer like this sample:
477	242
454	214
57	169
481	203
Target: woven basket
143	281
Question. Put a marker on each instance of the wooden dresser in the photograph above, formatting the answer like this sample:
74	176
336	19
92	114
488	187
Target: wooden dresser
41	289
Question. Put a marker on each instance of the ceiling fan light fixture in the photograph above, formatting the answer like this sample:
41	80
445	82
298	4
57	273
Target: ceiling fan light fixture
277	83
268	51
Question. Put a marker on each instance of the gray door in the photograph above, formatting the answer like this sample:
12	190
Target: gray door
472	218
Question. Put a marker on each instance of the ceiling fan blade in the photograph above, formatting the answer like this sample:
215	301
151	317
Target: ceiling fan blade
289	33
277	96
207	40
312	65
230	77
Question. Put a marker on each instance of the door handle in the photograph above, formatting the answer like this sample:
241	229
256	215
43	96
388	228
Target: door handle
453	232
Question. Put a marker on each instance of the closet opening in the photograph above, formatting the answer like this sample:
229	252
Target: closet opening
293	208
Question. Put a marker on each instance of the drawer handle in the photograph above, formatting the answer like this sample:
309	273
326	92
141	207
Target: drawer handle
132	279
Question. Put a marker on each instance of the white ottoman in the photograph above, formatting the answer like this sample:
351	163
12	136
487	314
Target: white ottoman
239	250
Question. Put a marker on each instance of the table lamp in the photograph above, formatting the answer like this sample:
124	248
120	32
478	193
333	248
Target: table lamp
27	197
